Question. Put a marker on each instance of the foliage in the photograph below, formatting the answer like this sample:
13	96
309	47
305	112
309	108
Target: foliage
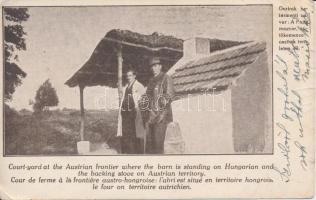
14	40
56	132
46	96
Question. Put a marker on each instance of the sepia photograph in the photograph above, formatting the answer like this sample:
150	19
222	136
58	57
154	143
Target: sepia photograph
138	80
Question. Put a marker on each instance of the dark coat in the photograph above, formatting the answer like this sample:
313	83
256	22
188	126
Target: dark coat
157	113
160	92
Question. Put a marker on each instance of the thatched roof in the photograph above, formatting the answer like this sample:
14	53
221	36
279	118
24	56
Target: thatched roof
137	50
218	70
154	41
216	44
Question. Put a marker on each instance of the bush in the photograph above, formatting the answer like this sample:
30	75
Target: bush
56	132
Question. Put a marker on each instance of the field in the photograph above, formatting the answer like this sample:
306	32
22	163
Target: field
57	132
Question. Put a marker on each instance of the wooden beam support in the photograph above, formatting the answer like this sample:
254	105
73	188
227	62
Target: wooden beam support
82	117
142	46
119	73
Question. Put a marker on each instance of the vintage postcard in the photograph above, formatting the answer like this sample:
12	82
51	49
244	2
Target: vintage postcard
157	99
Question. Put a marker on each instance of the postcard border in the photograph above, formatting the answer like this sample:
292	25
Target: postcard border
161	5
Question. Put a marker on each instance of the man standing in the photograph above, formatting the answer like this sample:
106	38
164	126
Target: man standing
130	124
160	92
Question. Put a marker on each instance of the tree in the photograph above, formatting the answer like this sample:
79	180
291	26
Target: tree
45	97
13	41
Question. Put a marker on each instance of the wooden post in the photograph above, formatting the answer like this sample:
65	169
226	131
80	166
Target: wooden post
81	113
119	73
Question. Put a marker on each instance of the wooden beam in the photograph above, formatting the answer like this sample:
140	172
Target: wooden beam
142	46
119	73
82	120
101	72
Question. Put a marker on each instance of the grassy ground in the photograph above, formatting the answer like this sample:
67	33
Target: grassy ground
56	132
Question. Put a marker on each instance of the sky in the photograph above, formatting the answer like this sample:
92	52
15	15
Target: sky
61	39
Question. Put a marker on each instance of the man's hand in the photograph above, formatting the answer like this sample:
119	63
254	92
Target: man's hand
152	117
160	117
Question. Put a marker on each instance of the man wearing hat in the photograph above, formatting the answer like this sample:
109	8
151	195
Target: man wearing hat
158	113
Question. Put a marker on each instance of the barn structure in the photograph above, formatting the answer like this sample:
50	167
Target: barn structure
224	98
197	66
118	51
